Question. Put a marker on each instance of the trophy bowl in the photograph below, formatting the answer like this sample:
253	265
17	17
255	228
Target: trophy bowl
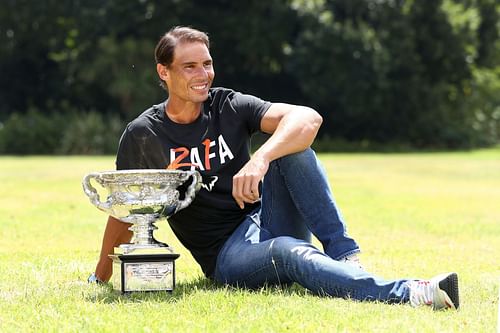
141	197
149	191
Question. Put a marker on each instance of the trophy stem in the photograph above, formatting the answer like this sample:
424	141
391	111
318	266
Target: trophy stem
143	228
143	238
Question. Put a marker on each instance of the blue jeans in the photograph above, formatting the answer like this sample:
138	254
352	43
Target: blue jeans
273	244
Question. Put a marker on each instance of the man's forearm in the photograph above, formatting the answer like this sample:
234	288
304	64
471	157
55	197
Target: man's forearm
116	233
295	132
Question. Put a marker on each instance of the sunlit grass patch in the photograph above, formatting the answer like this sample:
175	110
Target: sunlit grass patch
414	215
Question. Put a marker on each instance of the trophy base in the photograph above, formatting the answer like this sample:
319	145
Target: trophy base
144	272
137	249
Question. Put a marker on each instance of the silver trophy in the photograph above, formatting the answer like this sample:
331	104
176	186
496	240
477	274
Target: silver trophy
142	197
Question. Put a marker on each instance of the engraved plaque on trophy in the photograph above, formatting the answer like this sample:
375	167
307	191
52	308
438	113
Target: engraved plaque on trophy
142	197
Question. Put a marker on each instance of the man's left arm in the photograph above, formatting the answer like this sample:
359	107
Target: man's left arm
293	129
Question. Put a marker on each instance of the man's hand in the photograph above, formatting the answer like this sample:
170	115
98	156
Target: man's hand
246	181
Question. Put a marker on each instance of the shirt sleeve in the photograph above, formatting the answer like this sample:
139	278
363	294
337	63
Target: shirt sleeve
129	155
251	108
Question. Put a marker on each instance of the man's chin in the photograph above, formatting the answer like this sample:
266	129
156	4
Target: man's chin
200	97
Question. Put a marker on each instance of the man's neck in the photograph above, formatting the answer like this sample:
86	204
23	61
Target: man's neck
182	112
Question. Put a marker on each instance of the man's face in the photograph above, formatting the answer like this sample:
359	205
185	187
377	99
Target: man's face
191	73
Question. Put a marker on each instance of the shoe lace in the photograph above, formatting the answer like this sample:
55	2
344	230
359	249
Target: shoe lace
421	292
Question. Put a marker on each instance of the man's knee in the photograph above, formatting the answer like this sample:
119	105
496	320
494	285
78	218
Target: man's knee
284	248
298	164
305	156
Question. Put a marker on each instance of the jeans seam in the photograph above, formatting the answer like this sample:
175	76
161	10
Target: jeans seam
292	193
247	278
270	206
337	291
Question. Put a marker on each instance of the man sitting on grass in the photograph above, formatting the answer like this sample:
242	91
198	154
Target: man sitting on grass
251	222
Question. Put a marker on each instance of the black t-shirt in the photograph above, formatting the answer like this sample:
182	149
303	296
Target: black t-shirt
217	144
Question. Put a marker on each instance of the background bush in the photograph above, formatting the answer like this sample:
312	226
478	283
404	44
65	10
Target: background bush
57	133
418	74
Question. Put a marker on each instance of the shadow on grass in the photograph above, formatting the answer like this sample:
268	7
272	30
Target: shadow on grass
183	290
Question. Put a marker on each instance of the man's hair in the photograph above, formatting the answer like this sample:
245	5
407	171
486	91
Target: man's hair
164	51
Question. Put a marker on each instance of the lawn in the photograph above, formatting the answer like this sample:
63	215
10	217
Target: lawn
414	215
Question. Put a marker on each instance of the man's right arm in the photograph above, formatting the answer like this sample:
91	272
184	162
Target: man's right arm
116	233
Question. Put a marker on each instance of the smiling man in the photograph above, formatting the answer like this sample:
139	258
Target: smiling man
252	221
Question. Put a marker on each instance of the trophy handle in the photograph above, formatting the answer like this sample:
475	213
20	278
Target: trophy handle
91	192
191	190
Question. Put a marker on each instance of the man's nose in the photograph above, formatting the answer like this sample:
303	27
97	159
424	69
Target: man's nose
202	71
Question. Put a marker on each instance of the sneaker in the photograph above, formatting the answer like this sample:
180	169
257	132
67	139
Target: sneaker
353	260
440	292
94	279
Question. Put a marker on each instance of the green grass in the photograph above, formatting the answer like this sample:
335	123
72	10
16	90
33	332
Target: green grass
414	215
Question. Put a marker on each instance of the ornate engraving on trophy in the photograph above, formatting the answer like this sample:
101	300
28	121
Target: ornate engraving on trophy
142	197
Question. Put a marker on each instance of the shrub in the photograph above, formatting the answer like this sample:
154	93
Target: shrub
91	133
58	133
31	133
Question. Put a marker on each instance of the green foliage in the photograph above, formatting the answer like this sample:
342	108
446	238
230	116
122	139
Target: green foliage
488	34
31	133
56	133
91	133
389	71
484	102
123	71
415	73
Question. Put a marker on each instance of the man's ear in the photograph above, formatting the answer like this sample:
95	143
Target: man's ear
162	71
